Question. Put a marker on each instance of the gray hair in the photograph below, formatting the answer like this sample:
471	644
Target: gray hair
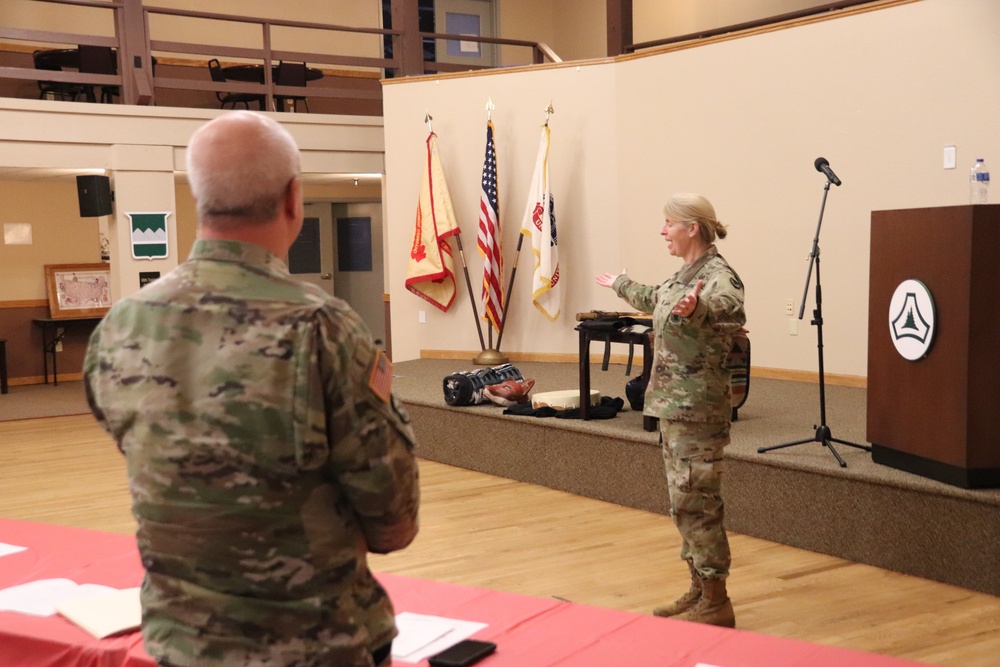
689	207
239	166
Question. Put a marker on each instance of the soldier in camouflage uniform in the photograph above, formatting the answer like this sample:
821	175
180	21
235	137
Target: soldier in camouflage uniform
266	453
695	314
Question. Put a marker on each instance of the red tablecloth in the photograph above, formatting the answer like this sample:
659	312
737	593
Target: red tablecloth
529	632
86	557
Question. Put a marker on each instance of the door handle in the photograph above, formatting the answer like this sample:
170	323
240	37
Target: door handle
326	276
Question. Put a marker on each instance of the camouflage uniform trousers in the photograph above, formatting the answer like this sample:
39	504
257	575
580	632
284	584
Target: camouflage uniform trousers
693	456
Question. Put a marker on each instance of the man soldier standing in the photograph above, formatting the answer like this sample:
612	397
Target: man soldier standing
266	453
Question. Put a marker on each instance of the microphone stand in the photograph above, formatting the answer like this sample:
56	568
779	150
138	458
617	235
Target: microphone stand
822	434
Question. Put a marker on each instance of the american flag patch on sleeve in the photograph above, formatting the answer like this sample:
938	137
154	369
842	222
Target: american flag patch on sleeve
380	380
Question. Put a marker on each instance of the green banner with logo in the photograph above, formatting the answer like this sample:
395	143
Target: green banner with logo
149	235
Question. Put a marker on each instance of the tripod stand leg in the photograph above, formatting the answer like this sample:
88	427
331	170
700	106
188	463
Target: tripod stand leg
836	454
761	450
852	444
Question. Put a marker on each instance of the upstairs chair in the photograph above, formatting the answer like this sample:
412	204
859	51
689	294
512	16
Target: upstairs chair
290	74
215	69
99	60
54	89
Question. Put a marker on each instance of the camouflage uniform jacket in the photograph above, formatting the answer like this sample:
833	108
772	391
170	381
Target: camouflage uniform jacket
265	458
689	380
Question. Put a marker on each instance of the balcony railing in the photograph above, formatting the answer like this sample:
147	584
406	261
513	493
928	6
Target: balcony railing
166	71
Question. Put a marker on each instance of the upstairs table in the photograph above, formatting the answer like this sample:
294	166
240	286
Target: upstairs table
255	74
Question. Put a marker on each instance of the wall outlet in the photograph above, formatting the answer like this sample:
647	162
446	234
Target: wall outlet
949	157
790	307
422	316
59	334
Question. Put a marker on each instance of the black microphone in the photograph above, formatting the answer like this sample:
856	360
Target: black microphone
823	165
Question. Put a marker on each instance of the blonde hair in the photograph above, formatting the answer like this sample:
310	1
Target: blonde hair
688	207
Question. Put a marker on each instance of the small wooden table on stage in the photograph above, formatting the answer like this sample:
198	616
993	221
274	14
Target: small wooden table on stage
609	336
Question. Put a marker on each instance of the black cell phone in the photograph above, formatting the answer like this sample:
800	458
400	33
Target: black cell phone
462	654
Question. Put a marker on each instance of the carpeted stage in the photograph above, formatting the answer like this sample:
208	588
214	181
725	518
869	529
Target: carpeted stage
799	496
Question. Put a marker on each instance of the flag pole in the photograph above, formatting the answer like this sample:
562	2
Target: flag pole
458	238
472	298
517	255
510	287
489	356
489	116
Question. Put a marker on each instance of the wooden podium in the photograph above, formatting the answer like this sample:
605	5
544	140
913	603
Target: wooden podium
938	416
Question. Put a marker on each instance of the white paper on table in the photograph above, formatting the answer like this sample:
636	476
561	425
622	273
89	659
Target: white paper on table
39	598
421	636
7	549
105	614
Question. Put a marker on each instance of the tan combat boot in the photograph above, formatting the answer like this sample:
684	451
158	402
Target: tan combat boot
684	602
714	607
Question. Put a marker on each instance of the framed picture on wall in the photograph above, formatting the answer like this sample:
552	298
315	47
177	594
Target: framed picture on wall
78	290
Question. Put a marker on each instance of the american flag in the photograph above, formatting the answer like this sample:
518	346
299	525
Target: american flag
380	380
489	236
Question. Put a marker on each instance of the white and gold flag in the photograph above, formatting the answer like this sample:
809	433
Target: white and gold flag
540	224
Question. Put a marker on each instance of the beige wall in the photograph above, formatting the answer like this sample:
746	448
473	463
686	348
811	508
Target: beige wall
578	30
659	19
524	19
58	234
142	150
582	172
741	121
579	35
61	236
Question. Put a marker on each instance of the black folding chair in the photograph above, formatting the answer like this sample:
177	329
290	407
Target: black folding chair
99	60
54	89
215	69
290	74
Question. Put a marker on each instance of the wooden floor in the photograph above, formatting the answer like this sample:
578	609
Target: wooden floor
494	533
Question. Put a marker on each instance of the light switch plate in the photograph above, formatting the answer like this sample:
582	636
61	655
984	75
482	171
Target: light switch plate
949	157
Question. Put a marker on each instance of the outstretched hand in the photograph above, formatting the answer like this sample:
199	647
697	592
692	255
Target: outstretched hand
686	305
608	279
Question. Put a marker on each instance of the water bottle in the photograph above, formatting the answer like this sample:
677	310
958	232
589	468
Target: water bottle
979	183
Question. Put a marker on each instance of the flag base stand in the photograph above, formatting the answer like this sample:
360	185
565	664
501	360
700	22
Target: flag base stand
490	357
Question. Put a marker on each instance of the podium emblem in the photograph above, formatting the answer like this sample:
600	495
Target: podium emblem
912	319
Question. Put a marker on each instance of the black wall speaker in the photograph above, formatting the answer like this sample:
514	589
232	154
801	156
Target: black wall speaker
94	193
